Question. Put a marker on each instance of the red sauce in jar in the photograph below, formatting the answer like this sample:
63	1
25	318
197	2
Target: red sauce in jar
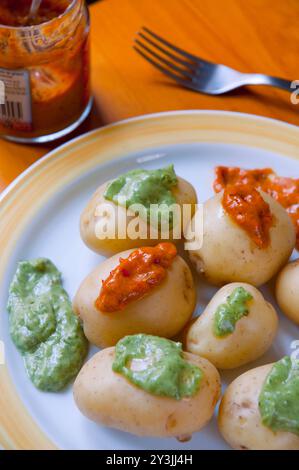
284	190
135	276
54	55
15	12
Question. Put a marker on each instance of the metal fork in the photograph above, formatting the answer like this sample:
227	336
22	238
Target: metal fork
195	73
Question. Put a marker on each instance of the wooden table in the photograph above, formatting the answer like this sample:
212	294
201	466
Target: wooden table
250	35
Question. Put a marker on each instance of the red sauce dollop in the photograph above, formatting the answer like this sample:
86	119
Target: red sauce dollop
284	190
233	175
247	208
135	276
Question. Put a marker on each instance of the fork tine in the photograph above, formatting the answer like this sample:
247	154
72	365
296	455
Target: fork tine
176	58
164	61
164	70
185	54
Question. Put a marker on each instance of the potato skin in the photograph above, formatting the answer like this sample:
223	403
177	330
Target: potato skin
229	255
252	336
110	399
239	418
164	311
183	192
287	291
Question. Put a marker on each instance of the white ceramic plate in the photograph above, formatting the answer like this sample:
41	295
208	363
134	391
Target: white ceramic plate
39	216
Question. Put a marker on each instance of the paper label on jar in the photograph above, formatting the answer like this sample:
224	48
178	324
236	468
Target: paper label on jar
15	111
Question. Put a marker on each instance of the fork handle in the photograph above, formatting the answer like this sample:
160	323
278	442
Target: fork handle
260	79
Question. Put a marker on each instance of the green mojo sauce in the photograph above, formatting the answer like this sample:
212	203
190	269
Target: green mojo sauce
43	326
279	398
227	315
145	187
156	365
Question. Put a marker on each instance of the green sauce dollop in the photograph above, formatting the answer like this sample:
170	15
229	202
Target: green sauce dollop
43	326
158	366
279	398
145	187
234	309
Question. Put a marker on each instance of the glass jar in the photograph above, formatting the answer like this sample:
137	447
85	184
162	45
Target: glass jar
44	68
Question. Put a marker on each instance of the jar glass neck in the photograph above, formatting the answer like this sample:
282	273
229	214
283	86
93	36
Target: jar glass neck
50	34
55	14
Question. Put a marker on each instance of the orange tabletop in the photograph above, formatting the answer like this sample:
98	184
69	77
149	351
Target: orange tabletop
249	35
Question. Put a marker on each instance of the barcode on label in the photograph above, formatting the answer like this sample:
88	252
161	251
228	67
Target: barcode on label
16	110
12	110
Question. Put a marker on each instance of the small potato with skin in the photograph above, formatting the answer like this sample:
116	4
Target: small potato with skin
164	311
110	399
229	255
253	334
287	291
239	417
184	193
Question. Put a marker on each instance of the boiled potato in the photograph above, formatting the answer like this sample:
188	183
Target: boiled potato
240	420
287	291
252	336
184	193
228	254
109	398
164	311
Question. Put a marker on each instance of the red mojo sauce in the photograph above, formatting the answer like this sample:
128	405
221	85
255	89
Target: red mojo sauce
15	12
135	276
247	208
53	57
284	190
